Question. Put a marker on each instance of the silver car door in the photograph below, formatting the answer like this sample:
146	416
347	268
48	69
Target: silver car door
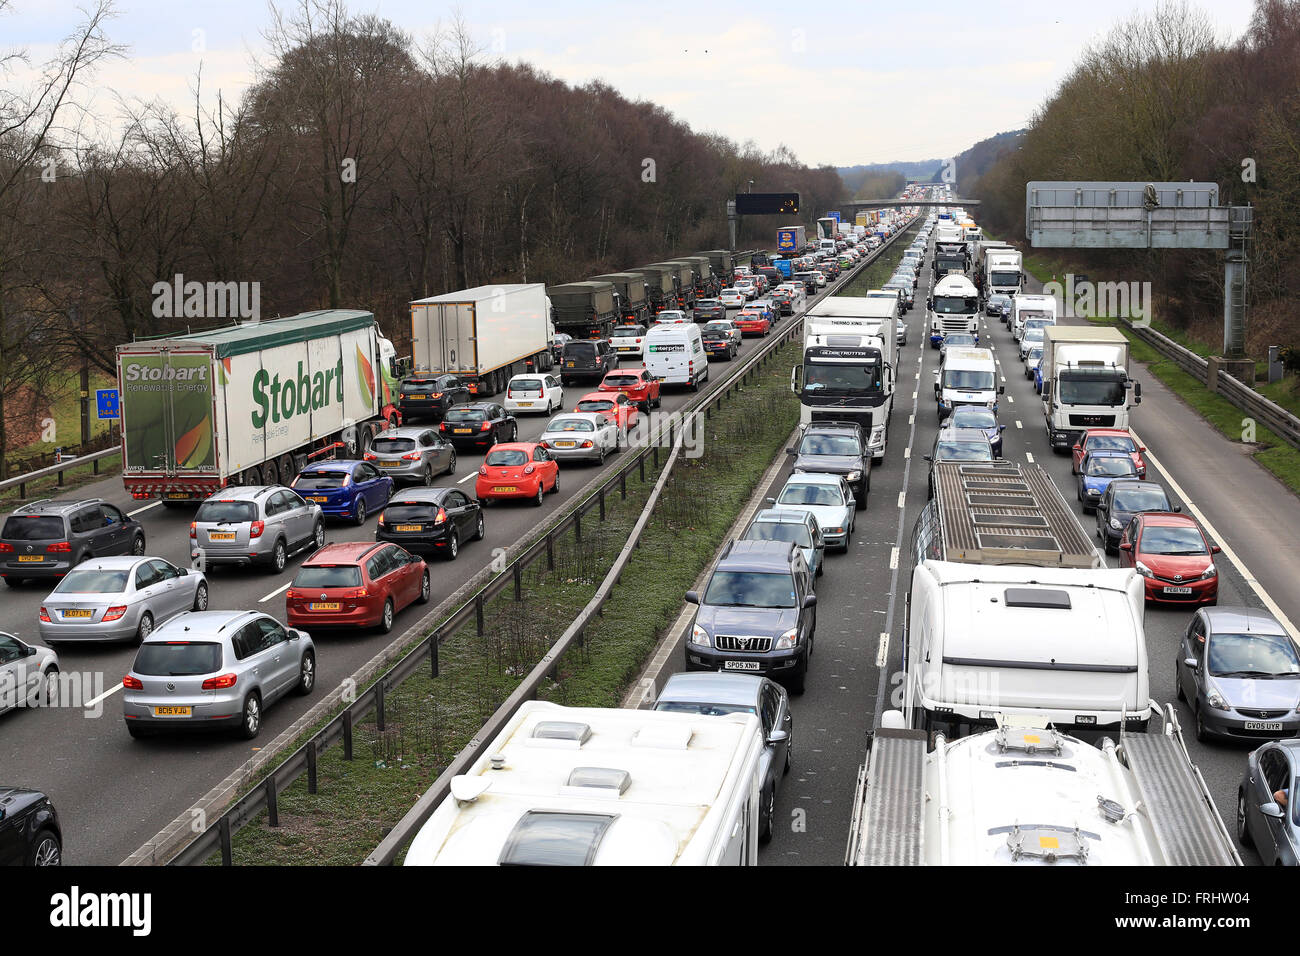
177	594
14	667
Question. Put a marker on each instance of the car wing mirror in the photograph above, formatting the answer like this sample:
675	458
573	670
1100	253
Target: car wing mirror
1271	809
810	600
31	651
293	635
1190	662
1002	428
1125	546
1215	549
692	597
778	737
1176	508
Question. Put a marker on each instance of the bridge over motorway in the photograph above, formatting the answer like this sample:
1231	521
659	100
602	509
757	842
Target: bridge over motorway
886	203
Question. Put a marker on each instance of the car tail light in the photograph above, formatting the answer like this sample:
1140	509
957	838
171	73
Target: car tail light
6	548
586	444
220	683
529	470
510	393
113	613
256	528
291	595
441	516
381	517
436	395
61	547
411	456
132	683
194	531
485	426
45	616
370	456
482	470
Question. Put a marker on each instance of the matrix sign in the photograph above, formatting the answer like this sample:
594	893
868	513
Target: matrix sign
766	204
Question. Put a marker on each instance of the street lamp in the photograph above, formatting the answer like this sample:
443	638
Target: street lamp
751	187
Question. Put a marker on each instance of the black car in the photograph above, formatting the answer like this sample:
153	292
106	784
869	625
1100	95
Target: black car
429	396
982	418
586	358
706	309
46	539
431	521
558	341
718	344
1124	498
836	448
478	425
30	834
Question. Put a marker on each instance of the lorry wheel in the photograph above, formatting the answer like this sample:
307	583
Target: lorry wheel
270	473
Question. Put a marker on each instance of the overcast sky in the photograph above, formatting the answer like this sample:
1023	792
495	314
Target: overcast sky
858	82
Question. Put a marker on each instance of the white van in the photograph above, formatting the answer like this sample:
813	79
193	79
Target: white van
675	354
967	376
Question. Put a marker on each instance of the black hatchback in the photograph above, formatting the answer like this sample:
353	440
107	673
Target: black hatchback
431	521
429	396
478	425
586	358
30	834
46	539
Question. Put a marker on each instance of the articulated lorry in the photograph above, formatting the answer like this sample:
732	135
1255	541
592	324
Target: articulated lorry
251	404
950	257
848	370
630	290
585	310
483	335
1085	382
791	240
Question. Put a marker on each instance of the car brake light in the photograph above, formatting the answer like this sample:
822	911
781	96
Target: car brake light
442	516
510	393
220	683
482	469
113	613
256	528
194	532
485	426
45	616
132	683
61	547
436	395
370	456
586	444
411	456
6	548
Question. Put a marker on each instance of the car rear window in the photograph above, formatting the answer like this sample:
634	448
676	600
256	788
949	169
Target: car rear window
180	659
32	528
390	446
579	350
226	511
465	415
400	511
92	582
618	381
570	425
506	457
631	330
601	406
320	480
527	385
418	385
331	575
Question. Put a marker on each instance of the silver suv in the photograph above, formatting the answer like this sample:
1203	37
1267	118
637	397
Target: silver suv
215	669
255	524
412	453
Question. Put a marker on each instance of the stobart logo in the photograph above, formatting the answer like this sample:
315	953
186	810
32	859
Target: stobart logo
284	399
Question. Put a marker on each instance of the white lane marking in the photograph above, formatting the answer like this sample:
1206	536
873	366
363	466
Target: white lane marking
1227	549
914	396
104	696
911	419
274	593
132	514
1011	398
893	558
1018	425
907	452
467	477
1004	380
882	654
1029	457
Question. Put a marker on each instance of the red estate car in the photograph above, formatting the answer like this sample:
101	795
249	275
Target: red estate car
356	584
637	384
517	470
615	406
1174	557
1109	439
752	323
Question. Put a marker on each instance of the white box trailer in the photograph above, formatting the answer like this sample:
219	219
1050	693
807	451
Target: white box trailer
252	403
588	786
483	335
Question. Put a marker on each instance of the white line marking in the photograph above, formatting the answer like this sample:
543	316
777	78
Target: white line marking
104	696
1018	425
1227	550
467	478
911	419
274	593
893	558
132	514
1029	457
1011	398
907	452
902	499
914	396
882	655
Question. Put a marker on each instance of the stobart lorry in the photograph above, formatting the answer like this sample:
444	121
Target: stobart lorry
251	404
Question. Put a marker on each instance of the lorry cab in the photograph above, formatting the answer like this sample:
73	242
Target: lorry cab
675	354
953	307
1024	307
966	377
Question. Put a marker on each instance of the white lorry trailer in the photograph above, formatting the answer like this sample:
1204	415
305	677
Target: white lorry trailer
1085	382
848	369
251	404
483	335
589	786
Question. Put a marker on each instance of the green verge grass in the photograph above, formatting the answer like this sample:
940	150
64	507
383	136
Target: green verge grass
878	273
430	720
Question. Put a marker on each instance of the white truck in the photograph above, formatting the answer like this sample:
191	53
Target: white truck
589	786
484	335
1085	382
848	369
1003	272
1013	611
251	404
966	376
1026	306
1027	795
954	306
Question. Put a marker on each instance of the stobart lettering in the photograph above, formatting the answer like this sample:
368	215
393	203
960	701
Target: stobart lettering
282	400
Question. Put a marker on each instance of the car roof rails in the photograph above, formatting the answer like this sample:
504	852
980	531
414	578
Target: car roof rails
32	504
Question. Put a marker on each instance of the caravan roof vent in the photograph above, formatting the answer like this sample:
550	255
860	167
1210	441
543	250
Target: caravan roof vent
1047	843
1052	598
1030	740
606	781
560	733
1112	810
663	738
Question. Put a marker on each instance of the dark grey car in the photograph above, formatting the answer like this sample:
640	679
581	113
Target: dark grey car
1124	498
412	454
45	539
1268	812
1239	671
836	448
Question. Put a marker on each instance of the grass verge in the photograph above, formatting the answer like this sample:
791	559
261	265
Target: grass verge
428	720
880	271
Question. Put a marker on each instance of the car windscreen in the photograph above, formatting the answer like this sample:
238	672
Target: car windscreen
963	451
808	494
81	581
32	528
392	446
780	531
465	415
971	380
1172	541
570	425
701	708
506	457
1110	443
1252	655
830	445
1110	466
334	575
972	416
320	480
226	511
1140	499
595	405
180	659
750	589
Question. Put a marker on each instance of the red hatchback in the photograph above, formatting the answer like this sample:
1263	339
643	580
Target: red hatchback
617	407
517	470
1173	556
1109	439
752	323
356	584
637	384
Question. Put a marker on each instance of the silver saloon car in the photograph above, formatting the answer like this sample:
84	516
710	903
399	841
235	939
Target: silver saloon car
118	599
584	436
213	669
828	498
412	454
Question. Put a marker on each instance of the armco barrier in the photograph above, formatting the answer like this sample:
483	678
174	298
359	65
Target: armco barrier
21	481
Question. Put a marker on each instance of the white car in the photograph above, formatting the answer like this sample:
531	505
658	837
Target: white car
628	340
828	498
725	325
749	289
666	317
732	298
582	435
540	393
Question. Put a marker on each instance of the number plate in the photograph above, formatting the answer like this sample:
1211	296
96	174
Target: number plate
77	612
1178	590
524	404
221	536
389	464
1264	725
30	558
741	666
408	527
178	494
501	489
324	606
418	398
317	498
570	364
463	431
566	444
171	712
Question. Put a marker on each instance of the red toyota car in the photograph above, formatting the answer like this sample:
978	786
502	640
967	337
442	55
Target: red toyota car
517	470
356	584
1173	556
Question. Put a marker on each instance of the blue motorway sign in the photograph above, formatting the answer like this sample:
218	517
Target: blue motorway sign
106	400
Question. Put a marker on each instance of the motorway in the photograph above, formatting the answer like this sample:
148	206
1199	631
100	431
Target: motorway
112	792
855	670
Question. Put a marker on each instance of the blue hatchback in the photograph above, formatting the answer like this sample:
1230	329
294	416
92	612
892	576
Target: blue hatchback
344	489
1097	470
